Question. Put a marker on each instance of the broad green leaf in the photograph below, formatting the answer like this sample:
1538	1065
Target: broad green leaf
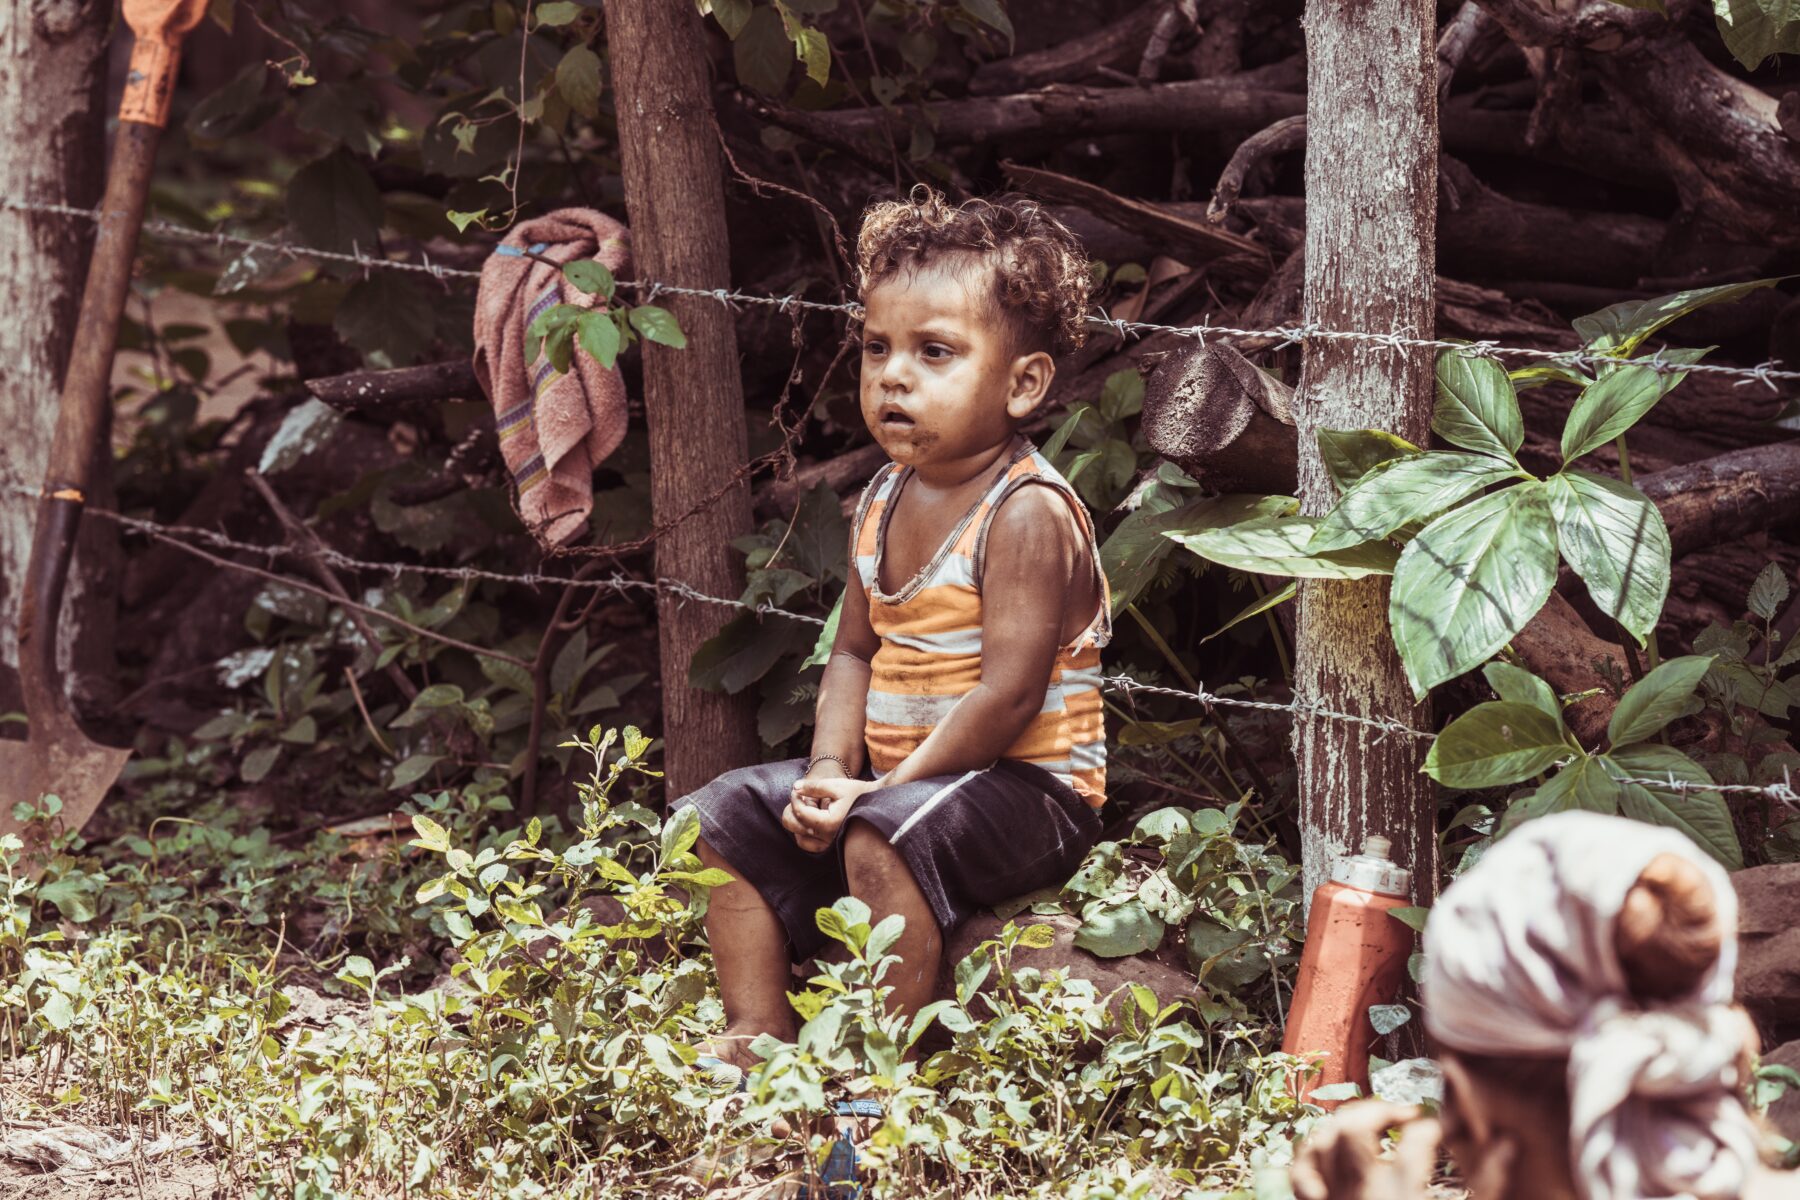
389	314
333	204
73	896
578	80
556	12
1541	373
762	54
413	770
1118	930
658	325
1122	395
1476	406
591	277
1498	742
1703	816
1656	699
235	108
1621	328
56	1010
598	334
680	832
258	763
814	52
1615	539
1754	30
732	16
1520	686
1262	605
1413	917
432	836
821	651
1403	490
1134	552
1059	438
1769	592
1584	784
1616	401
1349	454
1471	580
1225	958
744	650
1278	546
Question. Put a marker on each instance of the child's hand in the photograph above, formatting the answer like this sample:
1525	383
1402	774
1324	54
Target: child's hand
818	809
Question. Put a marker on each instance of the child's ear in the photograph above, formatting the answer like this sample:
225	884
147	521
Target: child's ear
1031	376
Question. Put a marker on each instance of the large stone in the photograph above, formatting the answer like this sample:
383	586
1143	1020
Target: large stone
1768	974
1784	1114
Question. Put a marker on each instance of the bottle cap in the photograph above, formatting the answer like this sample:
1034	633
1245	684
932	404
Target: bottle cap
1373	870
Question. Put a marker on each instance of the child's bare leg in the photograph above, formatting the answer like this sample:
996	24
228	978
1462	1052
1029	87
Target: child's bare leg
750	951
880	878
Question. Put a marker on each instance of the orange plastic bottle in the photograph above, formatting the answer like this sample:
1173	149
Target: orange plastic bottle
1355	957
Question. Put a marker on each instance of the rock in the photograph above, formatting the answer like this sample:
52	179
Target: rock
1768	974
1784	1114
1107	975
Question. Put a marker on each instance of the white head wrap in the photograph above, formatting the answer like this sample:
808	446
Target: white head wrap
1520	960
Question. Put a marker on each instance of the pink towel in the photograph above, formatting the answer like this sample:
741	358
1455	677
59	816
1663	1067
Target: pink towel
554	429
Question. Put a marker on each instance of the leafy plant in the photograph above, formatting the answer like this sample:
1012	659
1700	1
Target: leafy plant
1475	565
1522	735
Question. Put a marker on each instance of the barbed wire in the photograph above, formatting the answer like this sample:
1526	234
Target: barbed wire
1768	373
1783	791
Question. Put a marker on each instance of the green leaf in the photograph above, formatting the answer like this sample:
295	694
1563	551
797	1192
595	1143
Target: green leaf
1656	699
1053	445
1278	546
578	80
762	54
56	1010
680	832
821	651
1519	686
73	896
1608	407
589	276
1615	539
1122	395
1225	958
462	220
743	652
258	763
1621	328
814	53
1133	554
598	334
1403	490
345	112
1262	605
991	14
1584	784
1703	816
1758	29
732	16
658	325
1476	406
1769	592
1498	742
1118	929
1350	454
388	314
1413	918
432	836
333	204
234	108
555	13
1471	580
413	770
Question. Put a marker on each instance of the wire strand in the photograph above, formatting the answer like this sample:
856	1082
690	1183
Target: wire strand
1768	373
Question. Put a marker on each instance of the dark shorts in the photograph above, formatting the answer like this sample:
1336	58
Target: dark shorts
971	841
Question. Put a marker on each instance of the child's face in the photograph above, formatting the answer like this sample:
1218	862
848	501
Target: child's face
940	382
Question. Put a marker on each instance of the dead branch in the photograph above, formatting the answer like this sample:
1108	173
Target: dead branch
1177	17
1076	59
402	392
1460	35
1711	501
1283	137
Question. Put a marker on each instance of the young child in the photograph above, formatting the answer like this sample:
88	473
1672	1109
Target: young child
959	756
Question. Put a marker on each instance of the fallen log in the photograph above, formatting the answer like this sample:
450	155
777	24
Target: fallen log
1707	502
1117	45
1245	440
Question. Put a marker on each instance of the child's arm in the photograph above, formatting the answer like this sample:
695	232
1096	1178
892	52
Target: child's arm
1034	552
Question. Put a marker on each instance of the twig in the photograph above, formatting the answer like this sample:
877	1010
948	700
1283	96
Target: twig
350	674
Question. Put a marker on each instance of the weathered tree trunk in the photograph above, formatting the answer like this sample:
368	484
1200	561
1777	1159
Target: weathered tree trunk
694	398
51	102
1371	170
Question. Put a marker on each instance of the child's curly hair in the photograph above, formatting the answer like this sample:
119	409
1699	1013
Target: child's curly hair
1041	277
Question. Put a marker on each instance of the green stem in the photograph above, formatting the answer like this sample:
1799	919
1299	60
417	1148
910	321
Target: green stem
1156	639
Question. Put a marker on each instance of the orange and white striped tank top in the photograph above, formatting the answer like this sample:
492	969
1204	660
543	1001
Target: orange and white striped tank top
930	653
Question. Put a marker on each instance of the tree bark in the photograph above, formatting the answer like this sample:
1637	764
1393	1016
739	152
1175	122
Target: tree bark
1371	169
694	398
52	100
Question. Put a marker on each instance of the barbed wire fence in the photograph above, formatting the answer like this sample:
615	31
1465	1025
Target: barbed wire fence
188	537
